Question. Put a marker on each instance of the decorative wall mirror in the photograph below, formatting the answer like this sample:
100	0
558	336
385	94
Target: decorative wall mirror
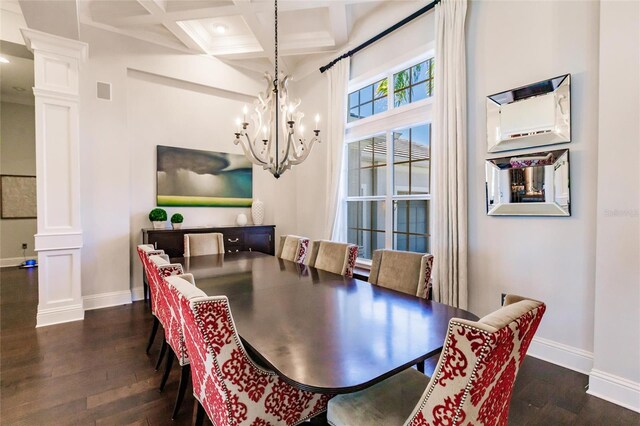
533	115
529	185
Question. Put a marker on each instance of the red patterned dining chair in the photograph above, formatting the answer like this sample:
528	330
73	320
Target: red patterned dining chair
159	267
174	334
403	271
228	386
471	385
203	244
339	258
173	341
293	248
144	251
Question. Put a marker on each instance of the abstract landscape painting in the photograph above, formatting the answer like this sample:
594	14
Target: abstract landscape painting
195	178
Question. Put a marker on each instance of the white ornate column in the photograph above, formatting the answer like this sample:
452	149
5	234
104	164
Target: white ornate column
59	238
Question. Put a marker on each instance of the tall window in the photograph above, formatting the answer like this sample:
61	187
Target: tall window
388	172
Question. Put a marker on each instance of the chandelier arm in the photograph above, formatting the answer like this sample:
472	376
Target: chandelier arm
249	152
307	151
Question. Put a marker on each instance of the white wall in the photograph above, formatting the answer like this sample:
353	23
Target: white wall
159	96
410	37
510	44
616	369
17	157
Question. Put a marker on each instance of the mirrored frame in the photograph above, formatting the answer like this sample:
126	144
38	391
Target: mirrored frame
529	185
528	116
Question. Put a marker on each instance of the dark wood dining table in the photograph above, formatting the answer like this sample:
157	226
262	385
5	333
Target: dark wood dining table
320	331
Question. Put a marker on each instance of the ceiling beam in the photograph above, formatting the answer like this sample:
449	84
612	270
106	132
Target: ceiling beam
338	22
264	36
156	9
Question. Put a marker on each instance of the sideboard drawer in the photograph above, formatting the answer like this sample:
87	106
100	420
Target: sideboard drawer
233	239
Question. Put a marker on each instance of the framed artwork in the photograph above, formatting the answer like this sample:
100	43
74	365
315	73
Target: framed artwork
18	197
196	178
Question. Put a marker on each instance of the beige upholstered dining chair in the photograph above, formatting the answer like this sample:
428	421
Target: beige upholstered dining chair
339	258
293	248
403	271
203	244
472	383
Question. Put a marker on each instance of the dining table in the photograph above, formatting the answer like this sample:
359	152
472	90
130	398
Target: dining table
320	331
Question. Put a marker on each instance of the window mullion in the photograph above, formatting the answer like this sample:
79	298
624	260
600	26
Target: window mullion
390	207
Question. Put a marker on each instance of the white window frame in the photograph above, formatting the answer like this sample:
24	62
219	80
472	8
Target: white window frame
395	118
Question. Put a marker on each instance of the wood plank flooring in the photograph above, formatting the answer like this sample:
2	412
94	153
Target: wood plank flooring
95	372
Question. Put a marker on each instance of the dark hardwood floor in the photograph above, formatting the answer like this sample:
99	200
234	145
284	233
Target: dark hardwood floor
95	372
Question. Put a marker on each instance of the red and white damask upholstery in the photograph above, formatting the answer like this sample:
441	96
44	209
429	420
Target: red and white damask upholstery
293	248
159	268
203	244
232	389
471	385
144	251
403	271
339	258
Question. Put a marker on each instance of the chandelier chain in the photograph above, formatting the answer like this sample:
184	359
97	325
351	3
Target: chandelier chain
276	37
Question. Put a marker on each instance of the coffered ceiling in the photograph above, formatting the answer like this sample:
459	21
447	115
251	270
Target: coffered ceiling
239	31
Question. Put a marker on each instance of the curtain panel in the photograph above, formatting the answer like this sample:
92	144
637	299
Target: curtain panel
336	207
450	156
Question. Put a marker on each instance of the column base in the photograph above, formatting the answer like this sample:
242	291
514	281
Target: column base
50	316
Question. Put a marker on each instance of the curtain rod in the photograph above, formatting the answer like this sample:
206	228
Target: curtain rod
381	35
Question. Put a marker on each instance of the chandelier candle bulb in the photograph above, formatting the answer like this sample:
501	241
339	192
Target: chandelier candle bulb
244	113
317	121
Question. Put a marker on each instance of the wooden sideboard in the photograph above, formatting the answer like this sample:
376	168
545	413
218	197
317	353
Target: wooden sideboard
236	238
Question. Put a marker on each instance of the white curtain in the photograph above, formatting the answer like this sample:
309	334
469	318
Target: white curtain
450	156
337	83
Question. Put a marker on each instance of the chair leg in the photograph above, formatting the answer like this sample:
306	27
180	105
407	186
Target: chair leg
145	287
185	373
163	349
152	336
420	366
198	413
167	369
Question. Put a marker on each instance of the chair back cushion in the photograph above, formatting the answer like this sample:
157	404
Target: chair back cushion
293	248
146	250
339	258
203	244
474	378
232	389
402	271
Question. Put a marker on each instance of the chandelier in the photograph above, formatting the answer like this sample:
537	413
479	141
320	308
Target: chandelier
274	113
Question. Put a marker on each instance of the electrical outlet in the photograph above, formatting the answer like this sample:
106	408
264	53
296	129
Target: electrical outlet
24	246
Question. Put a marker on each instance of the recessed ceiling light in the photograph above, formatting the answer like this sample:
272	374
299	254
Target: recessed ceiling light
3	60
18	89
220	29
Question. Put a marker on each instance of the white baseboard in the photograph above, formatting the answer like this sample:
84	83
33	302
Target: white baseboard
560	354
59	315
616	389
137	293
105	300
12	261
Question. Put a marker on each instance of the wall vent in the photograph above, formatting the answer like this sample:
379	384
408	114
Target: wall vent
104	91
